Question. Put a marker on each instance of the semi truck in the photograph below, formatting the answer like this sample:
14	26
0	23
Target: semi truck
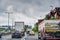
49	29
19	30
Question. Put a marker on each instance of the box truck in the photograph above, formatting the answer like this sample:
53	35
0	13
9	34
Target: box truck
19	30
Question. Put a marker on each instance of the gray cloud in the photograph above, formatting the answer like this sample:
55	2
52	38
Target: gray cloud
38	7
32	2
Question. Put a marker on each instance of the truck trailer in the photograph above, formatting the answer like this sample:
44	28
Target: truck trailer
19	30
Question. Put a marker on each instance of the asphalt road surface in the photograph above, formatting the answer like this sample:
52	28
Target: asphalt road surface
32	37
8	37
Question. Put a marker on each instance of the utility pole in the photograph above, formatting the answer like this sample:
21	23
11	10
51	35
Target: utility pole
8	21
8	18
12	22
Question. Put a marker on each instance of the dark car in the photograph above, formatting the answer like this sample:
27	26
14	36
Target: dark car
0	35
16	35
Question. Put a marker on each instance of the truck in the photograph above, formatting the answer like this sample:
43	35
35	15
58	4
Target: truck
49	29
19	30
19	26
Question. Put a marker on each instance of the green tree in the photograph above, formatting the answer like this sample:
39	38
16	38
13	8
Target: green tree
47	17
35	28
25	28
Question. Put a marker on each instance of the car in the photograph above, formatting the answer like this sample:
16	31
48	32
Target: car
16	35
31	33
0	35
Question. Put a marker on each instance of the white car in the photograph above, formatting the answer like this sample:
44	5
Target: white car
31	33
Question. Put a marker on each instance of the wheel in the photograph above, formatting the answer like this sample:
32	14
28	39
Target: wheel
44	38
13	37
0	35
39	38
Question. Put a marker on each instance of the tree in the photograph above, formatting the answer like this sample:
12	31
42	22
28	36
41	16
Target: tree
25	28
35	29
47	17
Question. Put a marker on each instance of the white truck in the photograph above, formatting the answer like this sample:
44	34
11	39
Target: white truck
19	30
19	26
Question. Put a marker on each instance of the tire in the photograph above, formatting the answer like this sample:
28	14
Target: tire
39	38
44	38
13	37
0	36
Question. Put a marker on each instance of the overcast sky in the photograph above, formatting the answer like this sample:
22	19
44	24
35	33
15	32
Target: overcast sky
28	11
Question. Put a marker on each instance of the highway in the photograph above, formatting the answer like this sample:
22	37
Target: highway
29	37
